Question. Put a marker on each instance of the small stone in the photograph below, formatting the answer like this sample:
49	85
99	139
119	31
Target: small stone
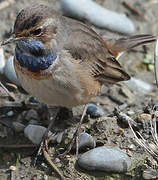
123	106
130	113
86	140
10	113
45	177
18	127
150	174
94	111
31	114
12	168
33	100
35	133
59	137
132	147
33	122
105	158
9	71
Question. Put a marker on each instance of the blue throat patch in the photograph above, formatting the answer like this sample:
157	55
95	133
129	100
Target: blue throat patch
30	54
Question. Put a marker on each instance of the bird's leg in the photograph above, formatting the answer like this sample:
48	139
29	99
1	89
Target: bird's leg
45	139
76	134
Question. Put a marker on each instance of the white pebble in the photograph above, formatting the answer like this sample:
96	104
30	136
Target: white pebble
2	61
10	113
12	168
97	15
9	71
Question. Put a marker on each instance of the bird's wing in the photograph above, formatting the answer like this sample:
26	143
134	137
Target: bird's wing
90	50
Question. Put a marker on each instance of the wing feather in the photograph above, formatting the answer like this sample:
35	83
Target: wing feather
91	51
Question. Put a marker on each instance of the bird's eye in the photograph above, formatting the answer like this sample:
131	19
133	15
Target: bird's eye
36	32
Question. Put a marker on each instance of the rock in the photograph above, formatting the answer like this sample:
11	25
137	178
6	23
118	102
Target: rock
10	113
31	115
59	137
9	71
94	111
33	122
86	140
12	168
97	15
35	133
123	106
139	85
105	158
18	127
45	177
130	113
33	100
150	174
2	61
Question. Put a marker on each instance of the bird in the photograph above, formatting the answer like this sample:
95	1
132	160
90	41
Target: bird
62	61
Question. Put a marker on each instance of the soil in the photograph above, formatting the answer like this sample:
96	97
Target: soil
107	130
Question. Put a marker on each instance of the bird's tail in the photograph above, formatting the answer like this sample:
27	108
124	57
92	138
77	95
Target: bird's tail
118	46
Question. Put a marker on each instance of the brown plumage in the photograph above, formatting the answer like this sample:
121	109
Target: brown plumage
85	61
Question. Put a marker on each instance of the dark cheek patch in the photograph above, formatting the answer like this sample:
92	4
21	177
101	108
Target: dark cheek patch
35	64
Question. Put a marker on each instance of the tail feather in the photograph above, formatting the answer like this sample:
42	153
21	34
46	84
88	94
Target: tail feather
118	46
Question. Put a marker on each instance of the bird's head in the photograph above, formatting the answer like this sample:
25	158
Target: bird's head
34	32
37	23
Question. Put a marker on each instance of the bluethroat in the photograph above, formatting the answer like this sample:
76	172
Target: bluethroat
63	62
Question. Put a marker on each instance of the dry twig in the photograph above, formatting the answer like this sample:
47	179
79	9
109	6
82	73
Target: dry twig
6	90
151	148
48	158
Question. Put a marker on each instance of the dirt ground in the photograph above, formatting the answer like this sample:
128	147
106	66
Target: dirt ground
107	130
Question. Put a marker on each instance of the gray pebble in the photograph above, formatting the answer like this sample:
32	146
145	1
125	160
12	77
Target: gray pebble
105	158
86	140
35	133
9	71
18	127
33	122
97	15
59	137
31	114
95	111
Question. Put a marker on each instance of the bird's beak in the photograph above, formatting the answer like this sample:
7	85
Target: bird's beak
11	39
